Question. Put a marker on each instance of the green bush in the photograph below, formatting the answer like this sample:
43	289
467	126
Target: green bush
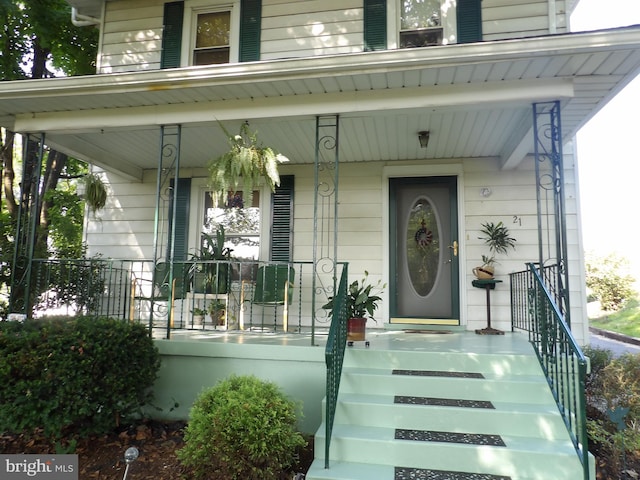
73	376
241	428
613	384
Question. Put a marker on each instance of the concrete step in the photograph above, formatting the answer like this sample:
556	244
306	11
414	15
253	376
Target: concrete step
496	364
516	388
444	414
519	457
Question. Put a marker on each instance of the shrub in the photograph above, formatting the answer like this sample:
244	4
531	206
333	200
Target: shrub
241	428
613	385
75	376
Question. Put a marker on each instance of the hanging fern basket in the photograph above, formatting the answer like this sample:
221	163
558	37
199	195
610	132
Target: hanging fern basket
245	166
95	193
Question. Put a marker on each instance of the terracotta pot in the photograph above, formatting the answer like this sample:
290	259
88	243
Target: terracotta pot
356	329
484	272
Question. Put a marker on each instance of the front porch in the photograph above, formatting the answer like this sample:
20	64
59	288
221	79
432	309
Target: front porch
479	388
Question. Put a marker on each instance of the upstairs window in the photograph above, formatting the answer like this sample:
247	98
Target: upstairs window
212	38
420	23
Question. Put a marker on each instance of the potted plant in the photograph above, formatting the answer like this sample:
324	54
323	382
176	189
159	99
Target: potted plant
209	275
198	315
246	164
217	312
499	240
362	302
94	192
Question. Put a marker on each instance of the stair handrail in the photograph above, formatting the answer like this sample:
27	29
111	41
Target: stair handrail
563	362
334	357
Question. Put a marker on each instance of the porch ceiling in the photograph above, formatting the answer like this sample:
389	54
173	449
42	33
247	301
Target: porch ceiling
474	99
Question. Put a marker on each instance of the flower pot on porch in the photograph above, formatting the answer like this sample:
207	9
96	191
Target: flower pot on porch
356	329
485	272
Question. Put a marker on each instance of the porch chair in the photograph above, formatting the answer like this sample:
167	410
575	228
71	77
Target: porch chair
273	287
156	291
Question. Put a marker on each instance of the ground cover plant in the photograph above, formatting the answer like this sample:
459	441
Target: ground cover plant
625	321
613	413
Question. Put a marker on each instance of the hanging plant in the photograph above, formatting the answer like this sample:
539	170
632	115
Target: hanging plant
95	194
244	166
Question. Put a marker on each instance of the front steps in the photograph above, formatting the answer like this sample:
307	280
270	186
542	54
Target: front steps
448	415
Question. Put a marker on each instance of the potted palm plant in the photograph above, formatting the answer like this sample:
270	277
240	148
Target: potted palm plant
362	302
499	240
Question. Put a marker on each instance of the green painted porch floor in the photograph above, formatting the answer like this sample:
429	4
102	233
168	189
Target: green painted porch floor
379	339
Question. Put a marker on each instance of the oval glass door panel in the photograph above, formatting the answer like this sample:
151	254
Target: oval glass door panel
423	246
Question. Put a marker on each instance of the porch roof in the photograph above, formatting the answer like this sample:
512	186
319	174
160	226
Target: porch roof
475	99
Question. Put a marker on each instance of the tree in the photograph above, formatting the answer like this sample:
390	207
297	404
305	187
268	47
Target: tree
609	280
38	40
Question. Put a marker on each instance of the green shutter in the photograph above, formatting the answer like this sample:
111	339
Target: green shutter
375	25
250	25
469	19
172	35
182	219
281	219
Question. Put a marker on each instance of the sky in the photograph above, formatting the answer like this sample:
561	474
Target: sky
608	153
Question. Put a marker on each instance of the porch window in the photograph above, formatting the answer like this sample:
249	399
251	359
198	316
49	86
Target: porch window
420	23
241	223
212	38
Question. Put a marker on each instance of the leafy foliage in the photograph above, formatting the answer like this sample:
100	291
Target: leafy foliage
241	428
613	404
362	299
609	280
245	165
498	238
73	376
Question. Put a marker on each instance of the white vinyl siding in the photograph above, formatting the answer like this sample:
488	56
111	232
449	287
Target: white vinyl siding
521	18
132	31
307	28
131	36
125	228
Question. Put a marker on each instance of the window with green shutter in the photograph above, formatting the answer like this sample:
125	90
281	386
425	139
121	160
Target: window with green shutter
183	201
250	26
281	248
375	25
425	23
469	16
172	34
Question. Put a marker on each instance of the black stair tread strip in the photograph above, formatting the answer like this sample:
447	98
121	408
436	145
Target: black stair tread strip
437	373
408	473
442	402
449	437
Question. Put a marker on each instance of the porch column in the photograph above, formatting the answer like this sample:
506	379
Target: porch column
325	216
550	195
27	224
168	170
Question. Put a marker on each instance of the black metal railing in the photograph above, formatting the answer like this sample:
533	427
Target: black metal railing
263	296
334	357
534	309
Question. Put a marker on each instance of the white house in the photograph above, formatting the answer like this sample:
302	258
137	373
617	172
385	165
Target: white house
344	89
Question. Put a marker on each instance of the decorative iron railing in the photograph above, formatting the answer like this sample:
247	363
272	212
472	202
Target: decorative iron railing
259	296
534	310
334	357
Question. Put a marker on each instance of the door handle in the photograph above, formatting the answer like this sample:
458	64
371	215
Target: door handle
454	247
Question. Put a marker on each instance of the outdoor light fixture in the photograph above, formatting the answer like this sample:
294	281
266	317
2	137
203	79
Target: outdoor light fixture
423	137
129	457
